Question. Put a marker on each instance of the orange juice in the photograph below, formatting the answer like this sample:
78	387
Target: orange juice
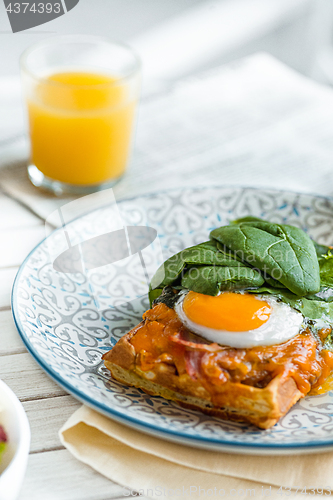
81	127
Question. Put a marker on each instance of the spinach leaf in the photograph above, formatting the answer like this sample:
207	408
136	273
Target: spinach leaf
274	283
211	279
284	252
226	251
154	294
326	270
325	260
205	253
321	250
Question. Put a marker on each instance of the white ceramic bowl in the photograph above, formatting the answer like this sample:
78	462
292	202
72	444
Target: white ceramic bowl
14	459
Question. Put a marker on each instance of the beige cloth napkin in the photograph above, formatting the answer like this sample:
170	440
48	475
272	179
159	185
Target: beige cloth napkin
150	465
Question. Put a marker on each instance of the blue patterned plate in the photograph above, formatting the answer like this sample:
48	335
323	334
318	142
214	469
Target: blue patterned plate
68	320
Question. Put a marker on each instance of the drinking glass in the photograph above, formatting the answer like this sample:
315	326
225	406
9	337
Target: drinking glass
81	93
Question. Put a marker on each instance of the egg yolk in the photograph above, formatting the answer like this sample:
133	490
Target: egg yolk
233	312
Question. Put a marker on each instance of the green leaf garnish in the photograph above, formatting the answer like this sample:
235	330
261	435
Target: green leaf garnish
205	253
210	280
286	253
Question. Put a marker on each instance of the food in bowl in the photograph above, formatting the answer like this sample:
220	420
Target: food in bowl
3	439
240	326
14	458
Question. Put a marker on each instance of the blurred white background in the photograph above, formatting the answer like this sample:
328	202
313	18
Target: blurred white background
181	37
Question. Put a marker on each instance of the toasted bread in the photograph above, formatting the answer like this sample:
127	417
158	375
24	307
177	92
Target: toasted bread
261	407
256	385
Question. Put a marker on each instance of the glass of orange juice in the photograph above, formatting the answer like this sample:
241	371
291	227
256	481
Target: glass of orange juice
81	93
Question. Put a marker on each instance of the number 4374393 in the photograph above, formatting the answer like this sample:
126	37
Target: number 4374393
41	8
303	491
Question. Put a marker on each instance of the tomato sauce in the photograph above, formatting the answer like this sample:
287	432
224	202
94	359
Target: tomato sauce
163	338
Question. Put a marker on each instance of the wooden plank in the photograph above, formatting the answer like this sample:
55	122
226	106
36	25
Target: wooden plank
26	378
17	243
14	215
57	475
10	341
6	282
46	417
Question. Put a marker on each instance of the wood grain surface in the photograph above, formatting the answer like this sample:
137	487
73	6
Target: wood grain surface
52	473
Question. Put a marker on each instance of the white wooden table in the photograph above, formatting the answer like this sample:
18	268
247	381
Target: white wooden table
184	138
52	473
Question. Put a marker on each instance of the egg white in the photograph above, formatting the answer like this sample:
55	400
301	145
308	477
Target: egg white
283	324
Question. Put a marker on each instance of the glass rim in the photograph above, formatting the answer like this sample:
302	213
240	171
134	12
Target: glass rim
79	39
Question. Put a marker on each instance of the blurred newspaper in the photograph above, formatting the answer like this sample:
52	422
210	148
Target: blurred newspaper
254	122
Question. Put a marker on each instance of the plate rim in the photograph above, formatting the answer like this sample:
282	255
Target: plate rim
150	428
